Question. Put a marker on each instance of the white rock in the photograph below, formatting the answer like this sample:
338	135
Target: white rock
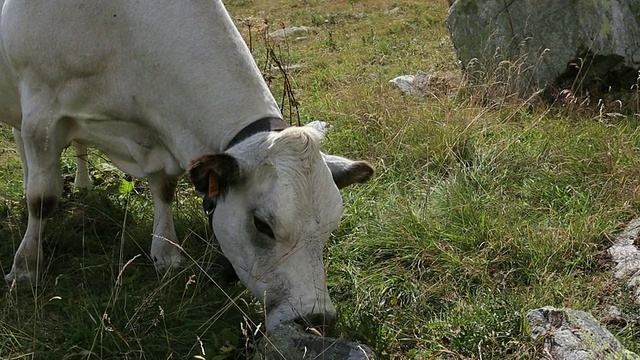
412	84
290	30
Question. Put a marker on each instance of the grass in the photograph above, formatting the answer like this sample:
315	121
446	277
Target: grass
479	211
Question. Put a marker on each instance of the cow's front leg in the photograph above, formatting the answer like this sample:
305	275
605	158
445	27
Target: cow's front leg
41	142
165	251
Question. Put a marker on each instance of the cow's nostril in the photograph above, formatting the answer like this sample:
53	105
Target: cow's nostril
320	321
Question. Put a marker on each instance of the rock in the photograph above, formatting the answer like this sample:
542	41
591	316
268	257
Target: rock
588	45
290	31
395	11
568	334
423	83
412	84
405	84
612	315
287	67
289	341
625	253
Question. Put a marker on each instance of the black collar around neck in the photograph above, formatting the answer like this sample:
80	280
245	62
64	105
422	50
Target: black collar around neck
261	125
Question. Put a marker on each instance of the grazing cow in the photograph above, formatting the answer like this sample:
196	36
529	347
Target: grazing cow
160	87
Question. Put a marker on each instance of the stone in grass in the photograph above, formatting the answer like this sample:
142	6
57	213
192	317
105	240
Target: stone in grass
422	83
625	252
290	31
290	341
574	335
412	84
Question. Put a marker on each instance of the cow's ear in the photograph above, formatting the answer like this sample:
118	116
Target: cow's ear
213	174
346	172
321	126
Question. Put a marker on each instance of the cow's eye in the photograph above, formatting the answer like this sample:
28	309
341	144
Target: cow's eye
263	227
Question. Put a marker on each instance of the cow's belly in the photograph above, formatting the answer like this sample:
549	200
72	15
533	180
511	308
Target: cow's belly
132	147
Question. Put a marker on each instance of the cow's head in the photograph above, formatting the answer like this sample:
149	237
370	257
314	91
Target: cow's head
277	203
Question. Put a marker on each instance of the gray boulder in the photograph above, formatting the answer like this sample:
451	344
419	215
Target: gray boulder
625	253
592	45
568	334
290	341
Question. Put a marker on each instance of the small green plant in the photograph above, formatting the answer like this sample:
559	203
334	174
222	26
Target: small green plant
330	43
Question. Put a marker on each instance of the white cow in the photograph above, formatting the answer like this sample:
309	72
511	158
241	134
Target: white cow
160	87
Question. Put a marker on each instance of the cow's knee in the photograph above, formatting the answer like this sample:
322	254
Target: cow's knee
42	206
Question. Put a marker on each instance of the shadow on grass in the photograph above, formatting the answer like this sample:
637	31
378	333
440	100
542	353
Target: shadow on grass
99	295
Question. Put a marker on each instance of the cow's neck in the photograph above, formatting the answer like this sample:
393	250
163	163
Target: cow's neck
202	86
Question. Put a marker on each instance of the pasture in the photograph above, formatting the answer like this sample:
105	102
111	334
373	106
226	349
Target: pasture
482	207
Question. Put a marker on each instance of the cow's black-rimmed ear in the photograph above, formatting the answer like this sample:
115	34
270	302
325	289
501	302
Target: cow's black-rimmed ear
213	174
346	172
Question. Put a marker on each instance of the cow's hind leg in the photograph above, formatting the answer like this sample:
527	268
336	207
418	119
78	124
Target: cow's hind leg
165	251
43	138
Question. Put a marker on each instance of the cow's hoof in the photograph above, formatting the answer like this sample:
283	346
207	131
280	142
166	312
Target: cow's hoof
21	276
164	263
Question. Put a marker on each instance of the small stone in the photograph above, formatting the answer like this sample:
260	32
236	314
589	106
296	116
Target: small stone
290	31
403	82
394	11
287	67
412	84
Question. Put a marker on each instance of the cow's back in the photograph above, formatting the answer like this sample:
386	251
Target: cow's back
175	69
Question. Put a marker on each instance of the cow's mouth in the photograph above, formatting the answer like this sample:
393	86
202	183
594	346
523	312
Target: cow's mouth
315	324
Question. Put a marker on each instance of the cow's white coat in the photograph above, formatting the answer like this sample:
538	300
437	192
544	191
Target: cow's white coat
156	84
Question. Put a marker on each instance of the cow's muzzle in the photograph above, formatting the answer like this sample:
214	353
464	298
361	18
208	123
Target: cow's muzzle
320	321
321	318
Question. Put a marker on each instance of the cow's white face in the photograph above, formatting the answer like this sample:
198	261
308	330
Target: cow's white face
278	203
